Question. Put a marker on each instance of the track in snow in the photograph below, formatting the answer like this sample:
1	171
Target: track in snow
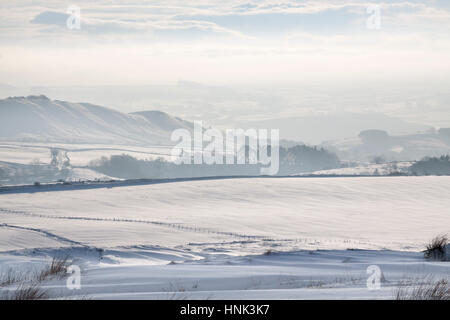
44	232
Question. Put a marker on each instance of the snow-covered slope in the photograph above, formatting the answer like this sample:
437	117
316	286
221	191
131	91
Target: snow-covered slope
244	215
231	239
151	272
163	121
37	118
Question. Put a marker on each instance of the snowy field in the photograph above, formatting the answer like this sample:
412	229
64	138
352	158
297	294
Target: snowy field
277	238
24	162
79	154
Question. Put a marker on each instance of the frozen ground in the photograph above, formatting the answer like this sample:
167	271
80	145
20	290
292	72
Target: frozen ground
207	239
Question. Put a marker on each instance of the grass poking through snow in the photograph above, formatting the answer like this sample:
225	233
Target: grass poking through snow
28	283
29	292
436	248
427	289
57	268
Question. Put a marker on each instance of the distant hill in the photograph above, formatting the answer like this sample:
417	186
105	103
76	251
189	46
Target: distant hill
316	129
40	119
380	146
164	121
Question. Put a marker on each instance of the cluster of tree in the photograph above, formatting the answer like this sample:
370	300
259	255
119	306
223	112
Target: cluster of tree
303	158
432	166
292	160
60	159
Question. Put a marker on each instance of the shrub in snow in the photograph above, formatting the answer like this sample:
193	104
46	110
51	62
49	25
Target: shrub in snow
438	249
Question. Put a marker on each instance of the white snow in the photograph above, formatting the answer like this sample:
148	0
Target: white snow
17	160
79	154
380	212
368	169
39	119
216	232
145	273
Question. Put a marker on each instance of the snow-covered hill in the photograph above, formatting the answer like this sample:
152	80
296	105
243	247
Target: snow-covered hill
39	119
260	238
398	213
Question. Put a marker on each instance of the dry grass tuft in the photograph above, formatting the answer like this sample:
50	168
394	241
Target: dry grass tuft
10	277
28	282
57	268
436	248
29	292
424	290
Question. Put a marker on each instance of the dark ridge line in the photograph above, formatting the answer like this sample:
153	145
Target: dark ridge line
84	185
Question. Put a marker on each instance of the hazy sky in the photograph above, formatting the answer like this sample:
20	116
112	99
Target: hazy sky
221	42
253	59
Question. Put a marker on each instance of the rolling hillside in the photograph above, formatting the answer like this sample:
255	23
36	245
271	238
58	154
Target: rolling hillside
40	119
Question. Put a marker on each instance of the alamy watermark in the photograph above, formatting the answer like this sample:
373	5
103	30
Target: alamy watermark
74	19
374	280
374	20
236	146
74	280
